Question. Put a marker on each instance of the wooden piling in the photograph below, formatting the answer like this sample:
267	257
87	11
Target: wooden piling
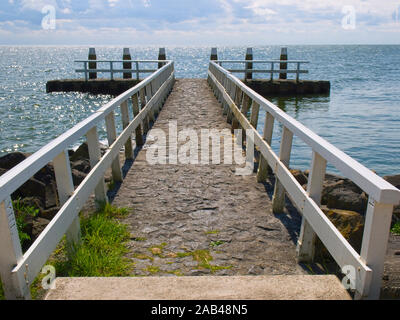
127	65
161	56
283	65
214	54
249	65
92	65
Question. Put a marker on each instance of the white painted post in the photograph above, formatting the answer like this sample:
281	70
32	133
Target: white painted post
230	91
306	242
374	244
267	135
125	124
255	109
135	110
238	99
149	94
10	254
278	200
94	157
111	137
65	188
146	122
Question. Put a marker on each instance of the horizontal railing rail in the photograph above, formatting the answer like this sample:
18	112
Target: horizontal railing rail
18	270
237	100
111	70
249	67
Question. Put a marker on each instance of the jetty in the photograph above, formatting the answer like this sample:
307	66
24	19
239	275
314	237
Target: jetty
181	197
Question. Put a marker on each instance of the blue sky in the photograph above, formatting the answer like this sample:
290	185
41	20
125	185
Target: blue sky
200	22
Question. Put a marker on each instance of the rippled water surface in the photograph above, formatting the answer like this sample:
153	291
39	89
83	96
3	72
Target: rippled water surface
361	116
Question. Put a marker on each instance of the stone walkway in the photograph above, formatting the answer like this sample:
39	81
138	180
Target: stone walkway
203	219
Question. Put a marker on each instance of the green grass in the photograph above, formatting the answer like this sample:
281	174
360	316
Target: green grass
396	228
102	249
22	211
212	232
101	252
216	243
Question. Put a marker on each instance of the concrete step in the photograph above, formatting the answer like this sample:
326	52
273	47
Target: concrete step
293	287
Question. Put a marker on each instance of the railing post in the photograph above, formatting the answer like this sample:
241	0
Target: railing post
10	254
92	65
374	244
214	54
298	72
86	70
111	137
149	95
283	65
146	121
65	188
272	72
267	135
238	98
94	157
249	65
278	199
161	56
135	109
230	91
127	65
255	109
306	242
111	70
125	124
137	70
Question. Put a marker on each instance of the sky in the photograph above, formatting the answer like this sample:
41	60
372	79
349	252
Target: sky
199	22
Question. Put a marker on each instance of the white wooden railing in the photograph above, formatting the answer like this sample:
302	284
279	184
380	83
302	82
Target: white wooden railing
18	270
237	99
112	70
249	67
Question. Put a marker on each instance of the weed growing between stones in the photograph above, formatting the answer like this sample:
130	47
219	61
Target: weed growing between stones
23	212
103	247
396	228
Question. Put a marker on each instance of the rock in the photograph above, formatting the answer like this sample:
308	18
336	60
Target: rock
394	180
344	194
12	159
349	223
49	213
299	176
82	152
82	165
39	224
77	177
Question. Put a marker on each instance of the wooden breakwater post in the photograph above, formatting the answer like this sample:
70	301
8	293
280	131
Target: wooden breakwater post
161	56
127	65
283	65
92	65
214	54
249	65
